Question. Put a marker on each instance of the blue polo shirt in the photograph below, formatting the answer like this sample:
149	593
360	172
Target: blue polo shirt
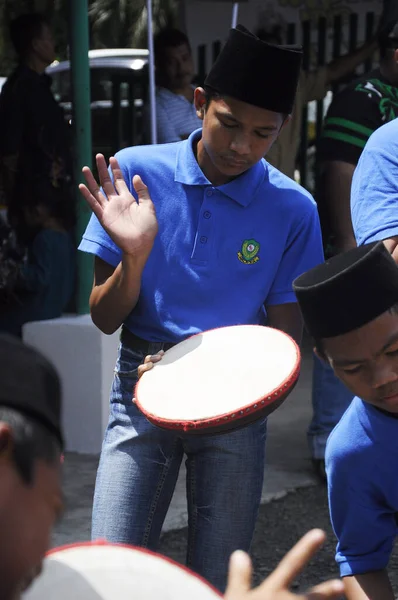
362	470
374	191
221	253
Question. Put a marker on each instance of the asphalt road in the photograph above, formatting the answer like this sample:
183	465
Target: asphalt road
280	524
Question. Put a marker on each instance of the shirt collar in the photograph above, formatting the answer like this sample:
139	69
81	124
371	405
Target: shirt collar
242	189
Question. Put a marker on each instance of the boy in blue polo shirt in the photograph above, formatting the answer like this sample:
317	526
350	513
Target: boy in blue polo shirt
216	238
350	307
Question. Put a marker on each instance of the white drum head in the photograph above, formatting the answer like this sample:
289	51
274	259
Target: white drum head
220	379
115	572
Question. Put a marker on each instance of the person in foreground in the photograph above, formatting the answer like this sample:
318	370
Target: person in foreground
350	308
30	462
216	238
30	483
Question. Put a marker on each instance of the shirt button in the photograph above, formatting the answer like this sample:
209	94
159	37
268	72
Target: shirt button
207	214
203	239
209	192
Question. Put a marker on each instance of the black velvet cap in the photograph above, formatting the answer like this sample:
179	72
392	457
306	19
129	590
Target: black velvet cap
255	72
30	384
347	291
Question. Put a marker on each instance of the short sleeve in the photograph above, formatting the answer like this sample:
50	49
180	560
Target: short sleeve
351	119
364	525
303	252
374	192
165	127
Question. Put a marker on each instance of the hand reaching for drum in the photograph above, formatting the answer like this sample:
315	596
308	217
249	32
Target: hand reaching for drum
130	224
276	586
149	361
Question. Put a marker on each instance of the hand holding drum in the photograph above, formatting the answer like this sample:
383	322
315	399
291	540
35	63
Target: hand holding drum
219	380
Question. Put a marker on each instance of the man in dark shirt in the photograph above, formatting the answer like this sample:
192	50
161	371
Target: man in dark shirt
35	156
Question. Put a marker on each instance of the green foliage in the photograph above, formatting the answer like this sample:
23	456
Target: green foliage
123	23
112	23
55	10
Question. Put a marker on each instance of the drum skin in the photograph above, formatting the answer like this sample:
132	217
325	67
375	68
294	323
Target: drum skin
104	571
220	380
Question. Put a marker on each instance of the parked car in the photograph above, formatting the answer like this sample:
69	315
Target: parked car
119	93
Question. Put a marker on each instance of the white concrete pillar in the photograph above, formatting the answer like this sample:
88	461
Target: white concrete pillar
85	359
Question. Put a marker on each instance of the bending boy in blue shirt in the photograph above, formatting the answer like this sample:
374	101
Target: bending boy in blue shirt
350	307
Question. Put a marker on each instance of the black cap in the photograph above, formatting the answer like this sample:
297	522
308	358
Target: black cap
347	291
256	72
30	384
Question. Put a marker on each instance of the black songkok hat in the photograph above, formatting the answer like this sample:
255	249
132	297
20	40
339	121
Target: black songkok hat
347	291
29	384
256	72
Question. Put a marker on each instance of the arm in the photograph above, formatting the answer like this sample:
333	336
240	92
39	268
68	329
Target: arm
131	226
369	586
303	250
287	318
352	118
336	190
315	84
344	65
115	292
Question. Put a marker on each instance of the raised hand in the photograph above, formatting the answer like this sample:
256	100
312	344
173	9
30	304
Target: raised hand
130	224
276	586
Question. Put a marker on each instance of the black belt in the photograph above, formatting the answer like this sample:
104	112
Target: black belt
129	339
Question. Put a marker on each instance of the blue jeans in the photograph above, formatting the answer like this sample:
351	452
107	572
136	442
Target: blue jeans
330	400
138	471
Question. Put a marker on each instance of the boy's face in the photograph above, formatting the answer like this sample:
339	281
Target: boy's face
235	135
27	516
366	360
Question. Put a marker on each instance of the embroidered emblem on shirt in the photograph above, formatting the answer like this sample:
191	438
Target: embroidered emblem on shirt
249	251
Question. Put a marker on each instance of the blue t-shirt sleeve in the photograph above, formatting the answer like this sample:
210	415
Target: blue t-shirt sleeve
303	252
374	192
363	524
96	241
